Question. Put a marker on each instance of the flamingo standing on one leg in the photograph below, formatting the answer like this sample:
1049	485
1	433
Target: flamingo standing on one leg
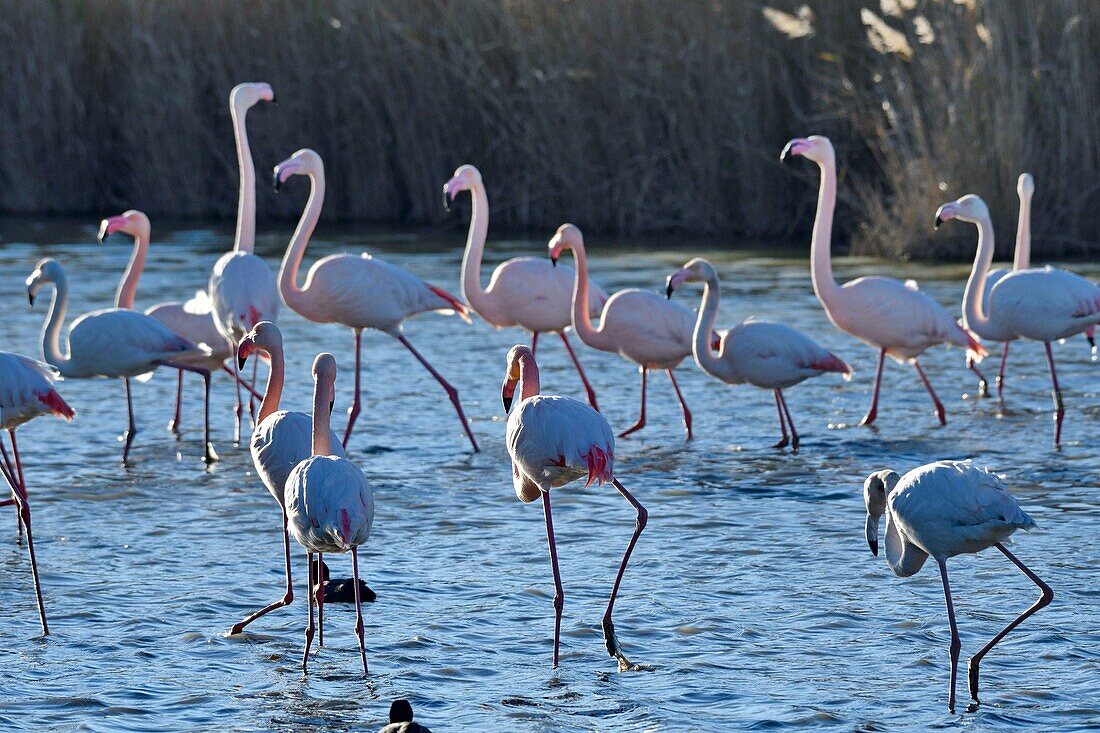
281	440
1039	304
26	391
766	355
329	504
647	329
193	319
357	291
946	509
113	342
553	441
894	317
524	291
242	286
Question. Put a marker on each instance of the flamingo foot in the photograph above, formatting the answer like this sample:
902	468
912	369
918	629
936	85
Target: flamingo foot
174	429
783	443
972	676
869	418
613	649
210	456
633	428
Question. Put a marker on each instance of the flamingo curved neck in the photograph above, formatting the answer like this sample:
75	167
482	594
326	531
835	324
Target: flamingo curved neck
582	322
528	377
973	312
1022	258
245	238
903	557
322	440
704	326
821	271
51	331
127	287
475	247
273	393
294	296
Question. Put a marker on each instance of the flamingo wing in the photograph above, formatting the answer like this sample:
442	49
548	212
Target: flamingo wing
329	504
554	440
1046	304
243	293
279	443
26	390
773	355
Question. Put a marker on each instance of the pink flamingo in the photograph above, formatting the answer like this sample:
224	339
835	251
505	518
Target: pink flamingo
242	286
357	291
524	291
329	504
193	319
894	317
553	441
1037	304
281	440
26	391
641	326
113	342
766	355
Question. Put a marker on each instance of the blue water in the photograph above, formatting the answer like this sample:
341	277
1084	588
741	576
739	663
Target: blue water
752	594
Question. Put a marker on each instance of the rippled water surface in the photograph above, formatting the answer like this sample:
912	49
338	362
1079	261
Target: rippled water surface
752	594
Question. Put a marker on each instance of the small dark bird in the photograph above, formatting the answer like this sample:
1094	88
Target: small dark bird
401	719
342	591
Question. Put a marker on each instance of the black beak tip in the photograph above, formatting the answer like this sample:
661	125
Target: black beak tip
331	405
874	548
668	291
240	362
507	404
275	182
554	261
30	299
446	202
937	224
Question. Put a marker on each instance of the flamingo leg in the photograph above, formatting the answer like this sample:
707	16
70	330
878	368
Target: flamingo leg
610	640
287	598
174	424
641	417
872	413
131	430
790	422
358	607
19	491
559	595
239	409
353	411
22	482
1056	391
208	454
983	383
785	440
452	393
534	342
683	405
9	470
956	645
320	593
580	371
928	386
1001	373
1047	595
309	626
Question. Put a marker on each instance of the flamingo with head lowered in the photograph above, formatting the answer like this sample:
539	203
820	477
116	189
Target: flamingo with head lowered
242	286
113	342
894	317
1037	304
524	291
357	291
766	355
641	326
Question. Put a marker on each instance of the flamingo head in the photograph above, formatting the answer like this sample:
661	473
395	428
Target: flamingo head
875	490
969	208
324	376
697	270
1025	186
815	147
249	94
305	162
568	236
466	177
46	271
516	356
264	337
132	222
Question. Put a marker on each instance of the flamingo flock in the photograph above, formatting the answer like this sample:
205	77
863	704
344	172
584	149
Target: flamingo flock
943	509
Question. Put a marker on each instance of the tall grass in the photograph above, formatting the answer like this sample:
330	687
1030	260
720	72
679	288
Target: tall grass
624	116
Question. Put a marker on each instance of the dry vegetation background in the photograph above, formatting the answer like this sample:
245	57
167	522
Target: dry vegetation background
623	116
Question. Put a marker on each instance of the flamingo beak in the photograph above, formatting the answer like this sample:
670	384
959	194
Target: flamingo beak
275	182
104	231
871	529
30	298
243	350
446	197
274	99
669	287
553	261
507	392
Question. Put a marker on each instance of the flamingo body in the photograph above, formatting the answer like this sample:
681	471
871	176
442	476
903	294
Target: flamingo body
118	342
194	321
329	504
531	293
242	293
774	355
1045	304
647	329
279	443
27	391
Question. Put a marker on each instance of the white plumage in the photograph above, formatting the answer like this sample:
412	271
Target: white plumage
329	504
194	320
242	293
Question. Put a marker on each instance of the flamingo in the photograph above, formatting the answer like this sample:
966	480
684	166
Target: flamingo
242	286
946	509
26	391
193	319
894	317
113	342
1037	304
524	291
641	326
357	291
329	505
553	441
766	355
280	441
401	719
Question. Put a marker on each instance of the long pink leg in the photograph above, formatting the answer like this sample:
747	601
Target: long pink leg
790	422
872	413
610	640
19	490
131	431
534	342
983	383
559	594
22	482
683	405
309	626
641	417
208	454
358	607
1001	374
353	411
785	440
174	425
1047	595
1059	407
287	598
584	378
9	469
452	393
956	645
320	591
935	400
